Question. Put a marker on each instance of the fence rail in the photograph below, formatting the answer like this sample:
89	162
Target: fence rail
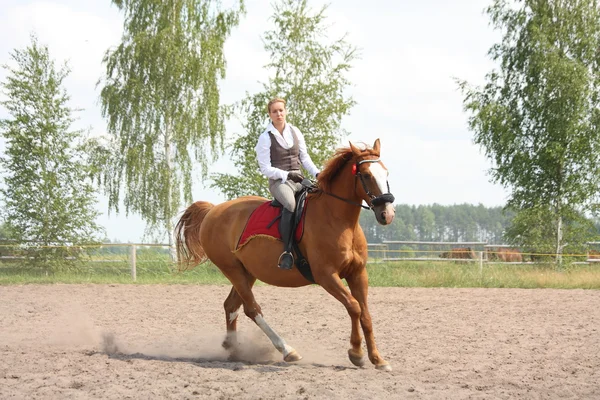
129	256
128	259
390	251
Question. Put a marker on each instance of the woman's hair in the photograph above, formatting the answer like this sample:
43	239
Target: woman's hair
273	101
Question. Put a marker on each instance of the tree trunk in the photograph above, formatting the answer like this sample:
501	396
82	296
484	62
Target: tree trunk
559	240
559	219
169	202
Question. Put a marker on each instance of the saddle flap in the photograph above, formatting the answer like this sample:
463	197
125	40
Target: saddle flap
260	223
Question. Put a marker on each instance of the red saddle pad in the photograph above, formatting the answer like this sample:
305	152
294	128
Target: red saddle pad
258	224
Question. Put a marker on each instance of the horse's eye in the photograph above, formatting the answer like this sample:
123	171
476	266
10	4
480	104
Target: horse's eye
367	175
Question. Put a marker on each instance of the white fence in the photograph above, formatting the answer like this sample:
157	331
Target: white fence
387	251
130	255
405	250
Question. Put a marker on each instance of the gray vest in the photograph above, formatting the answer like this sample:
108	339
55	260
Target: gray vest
285	159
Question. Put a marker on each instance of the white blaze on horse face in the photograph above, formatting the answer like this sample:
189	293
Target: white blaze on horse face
380	174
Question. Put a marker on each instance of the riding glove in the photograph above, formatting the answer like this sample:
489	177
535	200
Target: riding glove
295	177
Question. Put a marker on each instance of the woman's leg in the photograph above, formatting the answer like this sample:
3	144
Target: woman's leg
285	194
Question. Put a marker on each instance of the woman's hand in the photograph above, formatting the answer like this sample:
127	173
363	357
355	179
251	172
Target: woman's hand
295	177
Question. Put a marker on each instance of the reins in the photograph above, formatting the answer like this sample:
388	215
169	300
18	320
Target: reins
346	200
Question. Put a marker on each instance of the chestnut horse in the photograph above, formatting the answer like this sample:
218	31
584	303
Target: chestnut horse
333	243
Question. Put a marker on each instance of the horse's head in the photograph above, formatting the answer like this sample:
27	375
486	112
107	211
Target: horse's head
374	188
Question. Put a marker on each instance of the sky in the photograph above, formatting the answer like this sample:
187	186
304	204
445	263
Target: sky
404	84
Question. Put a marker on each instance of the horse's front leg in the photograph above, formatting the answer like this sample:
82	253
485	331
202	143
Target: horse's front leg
334	286
359	286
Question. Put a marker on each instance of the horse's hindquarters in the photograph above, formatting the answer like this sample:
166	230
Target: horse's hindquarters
220	233
222	227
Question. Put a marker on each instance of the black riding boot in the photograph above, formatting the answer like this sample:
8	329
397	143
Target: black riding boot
286	259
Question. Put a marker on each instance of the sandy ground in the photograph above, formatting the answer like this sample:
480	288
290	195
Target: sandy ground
140	342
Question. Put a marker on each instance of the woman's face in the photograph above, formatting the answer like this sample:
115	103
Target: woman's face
277	112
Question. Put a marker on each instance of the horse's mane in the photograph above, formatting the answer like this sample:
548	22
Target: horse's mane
335	164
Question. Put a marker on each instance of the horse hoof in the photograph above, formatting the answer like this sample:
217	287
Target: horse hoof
359	361
292	356
384	367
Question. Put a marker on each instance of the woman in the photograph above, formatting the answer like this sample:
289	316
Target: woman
280	152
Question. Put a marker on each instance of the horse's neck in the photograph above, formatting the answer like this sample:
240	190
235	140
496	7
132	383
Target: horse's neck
344	213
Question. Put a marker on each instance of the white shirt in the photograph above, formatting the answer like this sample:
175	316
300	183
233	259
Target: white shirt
263	152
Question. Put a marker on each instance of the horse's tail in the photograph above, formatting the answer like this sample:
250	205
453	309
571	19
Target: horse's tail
190	252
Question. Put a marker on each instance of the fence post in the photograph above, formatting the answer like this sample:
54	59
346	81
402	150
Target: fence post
481	263
132	263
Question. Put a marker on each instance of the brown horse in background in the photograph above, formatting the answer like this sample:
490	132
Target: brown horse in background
333	243
459	252
506	254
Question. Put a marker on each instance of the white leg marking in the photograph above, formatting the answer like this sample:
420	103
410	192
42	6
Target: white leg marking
233	316
277	340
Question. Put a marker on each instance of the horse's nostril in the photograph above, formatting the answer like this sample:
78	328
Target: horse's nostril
383	214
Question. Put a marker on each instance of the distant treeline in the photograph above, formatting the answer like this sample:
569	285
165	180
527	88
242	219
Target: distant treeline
437	223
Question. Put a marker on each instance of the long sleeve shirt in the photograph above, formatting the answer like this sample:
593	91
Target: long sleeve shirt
263	152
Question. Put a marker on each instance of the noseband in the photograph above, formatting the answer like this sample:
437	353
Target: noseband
375	200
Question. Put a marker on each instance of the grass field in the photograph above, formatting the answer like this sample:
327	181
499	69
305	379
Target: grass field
156	268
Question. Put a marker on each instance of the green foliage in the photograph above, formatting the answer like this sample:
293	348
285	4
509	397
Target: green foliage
48	198
438	223
398	274
537	117
4	232
456	274
530	226
161	99
309	73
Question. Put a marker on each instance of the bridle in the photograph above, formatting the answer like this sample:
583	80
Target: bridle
375	200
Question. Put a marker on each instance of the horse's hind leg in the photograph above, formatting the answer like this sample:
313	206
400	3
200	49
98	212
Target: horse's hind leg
241	293
289	354
232	305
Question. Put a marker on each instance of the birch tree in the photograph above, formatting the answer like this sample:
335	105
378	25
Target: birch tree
160	96
538	118
49	200
310	72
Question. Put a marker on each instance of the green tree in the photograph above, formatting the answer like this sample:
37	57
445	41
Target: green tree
310	73
160	96
537	117
530	227
425	223
453	223
4	232
48	197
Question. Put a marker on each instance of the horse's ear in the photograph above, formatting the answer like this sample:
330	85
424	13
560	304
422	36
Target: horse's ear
376	146
354	149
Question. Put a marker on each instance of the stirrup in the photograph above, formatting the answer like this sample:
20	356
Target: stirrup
286	260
